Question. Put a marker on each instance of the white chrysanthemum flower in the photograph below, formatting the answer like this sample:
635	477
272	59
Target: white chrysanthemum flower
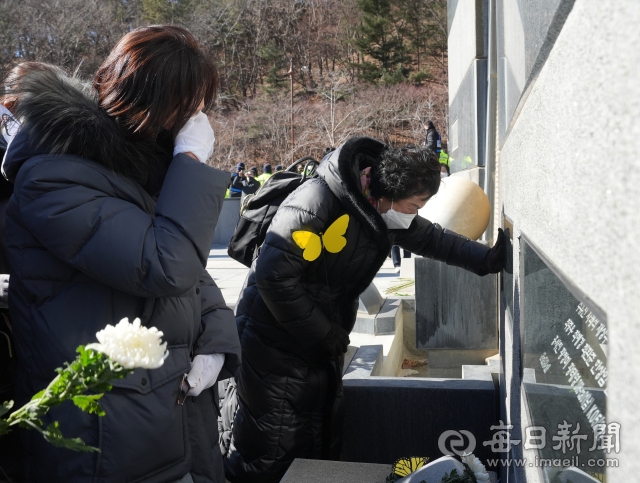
132	345
478	468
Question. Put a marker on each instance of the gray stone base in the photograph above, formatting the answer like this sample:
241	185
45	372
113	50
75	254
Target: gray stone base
315	471
382	322
366	362
448	363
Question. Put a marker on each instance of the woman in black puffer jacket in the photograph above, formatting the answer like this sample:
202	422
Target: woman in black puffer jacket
112	216
324	247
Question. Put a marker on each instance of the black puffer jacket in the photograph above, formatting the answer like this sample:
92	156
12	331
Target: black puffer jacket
431	139
87	247
286	388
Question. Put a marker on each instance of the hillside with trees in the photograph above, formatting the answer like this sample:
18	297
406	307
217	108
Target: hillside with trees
372	67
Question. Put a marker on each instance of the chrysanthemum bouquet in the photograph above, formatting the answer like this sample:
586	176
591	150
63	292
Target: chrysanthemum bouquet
85	380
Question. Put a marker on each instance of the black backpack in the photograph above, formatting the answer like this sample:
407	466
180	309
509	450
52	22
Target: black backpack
257	210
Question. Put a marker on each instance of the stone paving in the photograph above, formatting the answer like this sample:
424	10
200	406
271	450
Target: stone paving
230	276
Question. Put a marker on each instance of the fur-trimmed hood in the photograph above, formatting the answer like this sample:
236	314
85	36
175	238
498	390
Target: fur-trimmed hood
341	171
60	115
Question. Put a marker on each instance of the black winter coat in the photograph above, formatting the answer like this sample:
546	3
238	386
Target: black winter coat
88	247
250	185
235	186
290	394
431	140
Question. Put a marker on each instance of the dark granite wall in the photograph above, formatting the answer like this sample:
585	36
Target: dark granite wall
416	413
455	309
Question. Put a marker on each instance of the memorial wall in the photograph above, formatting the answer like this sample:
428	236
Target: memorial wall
567	181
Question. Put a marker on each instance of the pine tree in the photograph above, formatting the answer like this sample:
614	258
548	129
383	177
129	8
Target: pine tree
275	61
166	11
380	40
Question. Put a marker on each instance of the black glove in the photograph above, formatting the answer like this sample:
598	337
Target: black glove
336	342
495	258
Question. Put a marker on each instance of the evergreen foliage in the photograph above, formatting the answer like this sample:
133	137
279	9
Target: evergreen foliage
166	11
380	40
275	62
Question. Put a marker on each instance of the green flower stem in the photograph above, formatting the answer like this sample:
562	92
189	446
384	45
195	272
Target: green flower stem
90	371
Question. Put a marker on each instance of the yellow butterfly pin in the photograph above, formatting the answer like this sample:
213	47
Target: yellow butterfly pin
406	466
333	239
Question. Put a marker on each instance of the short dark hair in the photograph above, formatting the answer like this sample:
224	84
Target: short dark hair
446	166
402	173
154	76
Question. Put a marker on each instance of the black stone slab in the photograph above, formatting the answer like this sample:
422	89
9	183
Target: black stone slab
388	418
565	343
554	407
455	309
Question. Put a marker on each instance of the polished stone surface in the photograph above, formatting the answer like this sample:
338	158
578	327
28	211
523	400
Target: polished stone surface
415	412
468	112
556	406
455	309
506	277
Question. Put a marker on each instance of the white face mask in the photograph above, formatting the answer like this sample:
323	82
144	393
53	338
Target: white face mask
396	220
443	174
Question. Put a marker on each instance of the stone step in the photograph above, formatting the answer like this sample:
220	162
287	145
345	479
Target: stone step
316	471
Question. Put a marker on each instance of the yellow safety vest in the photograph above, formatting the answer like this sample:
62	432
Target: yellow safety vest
264	177
444	158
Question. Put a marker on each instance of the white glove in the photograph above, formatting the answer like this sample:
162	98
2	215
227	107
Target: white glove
205	369
4	291
196	137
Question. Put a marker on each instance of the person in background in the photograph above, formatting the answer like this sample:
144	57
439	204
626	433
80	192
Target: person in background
432	139
10	448
323	248
444	157
250	184
235	184
444	170
395	256
112	216
266	174
279	168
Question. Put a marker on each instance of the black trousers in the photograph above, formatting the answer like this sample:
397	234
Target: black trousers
395	255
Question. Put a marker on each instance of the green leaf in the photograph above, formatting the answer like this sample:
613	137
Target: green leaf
88	403
466	477
38	395
4	427
6	406
54	436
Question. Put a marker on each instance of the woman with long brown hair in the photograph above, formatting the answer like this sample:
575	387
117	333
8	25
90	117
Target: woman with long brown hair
113	213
